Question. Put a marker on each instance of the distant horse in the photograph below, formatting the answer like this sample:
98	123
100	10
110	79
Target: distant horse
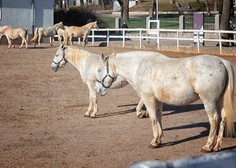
160	79
14	33
62	34
46	32
87	64
75	31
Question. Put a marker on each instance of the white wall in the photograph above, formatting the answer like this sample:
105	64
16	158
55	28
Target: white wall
20	13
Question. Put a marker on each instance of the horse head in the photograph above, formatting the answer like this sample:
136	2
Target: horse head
59	60
94	25
106	75
58	25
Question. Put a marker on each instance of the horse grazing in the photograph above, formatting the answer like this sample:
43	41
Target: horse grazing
75	31
14	33
62	34
160	79
46	32
87	64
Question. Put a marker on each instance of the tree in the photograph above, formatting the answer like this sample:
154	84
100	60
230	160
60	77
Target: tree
152	8
227	10
124	4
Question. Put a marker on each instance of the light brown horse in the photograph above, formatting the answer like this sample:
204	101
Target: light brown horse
75	31
62	34
46	32
15	33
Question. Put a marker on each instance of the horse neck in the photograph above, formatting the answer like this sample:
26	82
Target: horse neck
3	31
123	67
75	56
90	26
56	26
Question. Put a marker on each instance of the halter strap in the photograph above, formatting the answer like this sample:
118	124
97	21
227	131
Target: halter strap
62	59
107	75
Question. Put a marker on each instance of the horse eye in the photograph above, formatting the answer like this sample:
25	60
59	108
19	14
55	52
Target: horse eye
99	70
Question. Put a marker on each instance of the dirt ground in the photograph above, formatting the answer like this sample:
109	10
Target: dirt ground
42	121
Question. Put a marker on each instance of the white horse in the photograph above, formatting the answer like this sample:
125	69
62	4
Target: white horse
51	31
87	64
15	33
160	79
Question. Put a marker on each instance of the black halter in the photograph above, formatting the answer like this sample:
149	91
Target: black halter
107	75
62	59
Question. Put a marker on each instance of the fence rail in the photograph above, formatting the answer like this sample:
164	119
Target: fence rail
161	35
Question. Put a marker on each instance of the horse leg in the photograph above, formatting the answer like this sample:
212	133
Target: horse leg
213	117
70	39
9	42
84	41
26	43
59	39
22	43
39	39
92	101
139	113
221	110
51	40
151	105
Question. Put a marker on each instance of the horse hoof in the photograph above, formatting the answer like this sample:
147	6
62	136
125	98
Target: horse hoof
205	151
216	149
154	146
86	115
140	116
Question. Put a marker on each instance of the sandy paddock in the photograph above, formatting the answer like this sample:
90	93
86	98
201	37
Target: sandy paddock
42	121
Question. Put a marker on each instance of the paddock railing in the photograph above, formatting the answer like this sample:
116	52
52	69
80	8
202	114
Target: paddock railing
179	38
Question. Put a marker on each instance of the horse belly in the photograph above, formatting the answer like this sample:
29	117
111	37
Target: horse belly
167	85
176	95
13	35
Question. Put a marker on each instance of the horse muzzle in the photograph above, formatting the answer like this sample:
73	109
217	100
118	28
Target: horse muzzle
54	67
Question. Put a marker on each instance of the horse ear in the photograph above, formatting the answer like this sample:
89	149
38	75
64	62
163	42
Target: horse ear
63	47
103	57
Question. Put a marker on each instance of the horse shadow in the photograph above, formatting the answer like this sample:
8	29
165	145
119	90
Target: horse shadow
189	126
173	109
202	134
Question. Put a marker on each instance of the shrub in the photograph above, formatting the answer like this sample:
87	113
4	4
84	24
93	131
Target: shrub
75	16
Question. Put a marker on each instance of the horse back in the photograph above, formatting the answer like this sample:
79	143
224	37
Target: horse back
76	31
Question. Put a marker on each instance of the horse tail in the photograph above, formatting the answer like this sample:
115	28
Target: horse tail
228	100
36	34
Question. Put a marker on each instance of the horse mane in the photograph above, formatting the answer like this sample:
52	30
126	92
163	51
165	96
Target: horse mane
77	54
90	24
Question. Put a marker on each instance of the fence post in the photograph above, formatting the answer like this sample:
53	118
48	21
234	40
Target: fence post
140	39
147	21
92	37
107	38
217	22
181	22
117	24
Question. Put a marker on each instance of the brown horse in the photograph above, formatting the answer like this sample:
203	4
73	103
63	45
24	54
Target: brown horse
15	33
75	31
46	32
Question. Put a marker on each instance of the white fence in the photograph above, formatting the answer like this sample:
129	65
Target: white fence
161	36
